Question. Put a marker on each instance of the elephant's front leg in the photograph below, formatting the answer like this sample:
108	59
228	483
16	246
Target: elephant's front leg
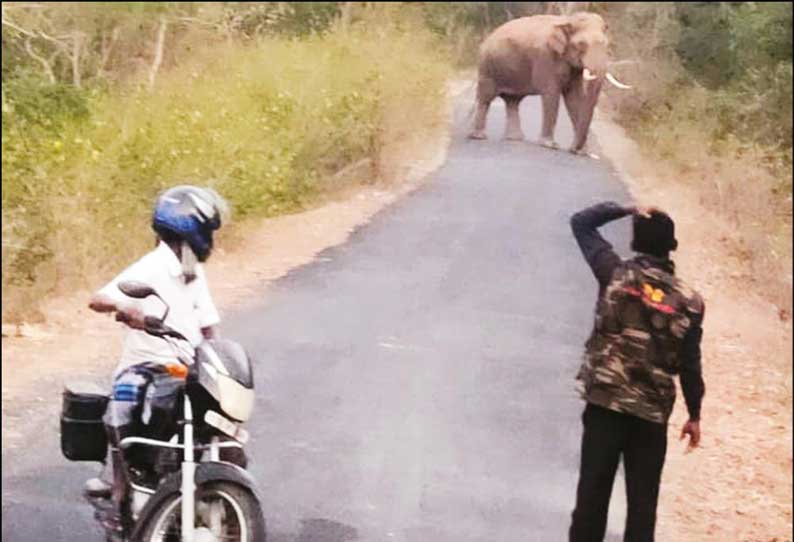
583	102
551	107
573	101
581	130
513	130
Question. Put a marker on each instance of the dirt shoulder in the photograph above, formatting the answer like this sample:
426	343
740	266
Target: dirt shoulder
737	485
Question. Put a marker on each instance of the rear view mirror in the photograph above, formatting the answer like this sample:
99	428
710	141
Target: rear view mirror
136	289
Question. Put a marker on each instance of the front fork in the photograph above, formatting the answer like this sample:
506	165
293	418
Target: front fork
188	477
189	481
215	518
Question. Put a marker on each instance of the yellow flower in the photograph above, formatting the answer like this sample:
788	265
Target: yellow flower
57	145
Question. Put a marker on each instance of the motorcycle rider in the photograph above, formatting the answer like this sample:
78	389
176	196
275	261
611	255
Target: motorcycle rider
184	220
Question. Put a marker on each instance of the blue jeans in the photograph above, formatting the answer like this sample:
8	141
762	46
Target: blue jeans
137	390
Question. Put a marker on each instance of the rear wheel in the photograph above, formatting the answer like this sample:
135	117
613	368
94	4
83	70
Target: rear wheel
225	512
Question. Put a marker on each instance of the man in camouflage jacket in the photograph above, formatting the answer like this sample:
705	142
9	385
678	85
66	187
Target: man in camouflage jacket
647	329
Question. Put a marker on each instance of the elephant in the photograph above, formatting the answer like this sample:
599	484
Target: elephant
549	55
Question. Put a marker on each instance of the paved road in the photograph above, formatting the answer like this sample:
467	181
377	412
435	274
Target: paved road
415	383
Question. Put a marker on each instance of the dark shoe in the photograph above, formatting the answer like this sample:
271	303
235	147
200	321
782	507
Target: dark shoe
109	518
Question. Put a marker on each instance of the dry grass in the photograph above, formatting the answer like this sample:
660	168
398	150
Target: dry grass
731	181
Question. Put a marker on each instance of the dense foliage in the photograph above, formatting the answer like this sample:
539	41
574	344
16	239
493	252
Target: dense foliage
740	52
265	103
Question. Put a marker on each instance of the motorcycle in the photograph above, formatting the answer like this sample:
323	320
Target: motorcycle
202	496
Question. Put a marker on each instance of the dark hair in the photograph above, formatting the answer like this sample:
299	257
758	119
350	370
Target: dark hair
654	235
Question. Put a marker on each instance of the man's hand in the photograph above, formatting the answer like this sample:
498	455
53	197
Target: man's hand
691	428
645	211
102	303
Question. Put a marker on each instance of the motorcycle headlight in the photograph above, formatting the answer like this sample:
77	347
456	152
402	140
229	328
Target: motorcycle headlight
235	399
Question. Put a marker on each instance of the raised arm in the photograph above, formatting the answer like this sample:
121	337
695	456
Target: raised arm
598	252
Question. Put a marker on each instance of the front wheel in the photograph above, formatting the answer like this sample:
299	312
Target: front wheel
225	512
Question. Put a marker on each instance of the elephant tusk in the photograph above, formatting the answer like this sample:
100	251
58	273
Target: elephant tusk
588	76
611	79
622	62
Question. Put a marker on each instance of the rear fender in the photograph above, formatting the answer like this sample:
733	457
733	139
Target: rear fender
215	471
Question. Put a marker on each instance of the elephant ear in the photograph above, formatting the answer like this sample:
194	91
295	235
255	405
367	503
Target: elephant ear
558	39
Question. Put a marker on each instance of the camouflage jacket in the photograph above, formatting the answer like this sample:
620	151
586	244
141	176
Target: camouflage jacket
647	329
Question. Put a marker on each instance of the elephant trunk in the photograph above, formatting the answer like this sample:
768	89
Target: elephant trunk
595	60
584	111
591	83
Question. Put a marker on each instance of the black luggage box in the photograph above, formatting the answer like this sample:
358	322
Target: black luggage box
83	435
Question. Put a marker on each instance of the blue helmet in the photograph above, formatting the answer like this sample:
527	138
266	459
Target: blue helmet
190	214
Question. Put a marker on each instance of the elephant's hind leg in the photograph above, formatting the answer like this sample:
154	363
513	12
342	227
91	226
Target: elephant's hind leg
513	130
478	132
486	92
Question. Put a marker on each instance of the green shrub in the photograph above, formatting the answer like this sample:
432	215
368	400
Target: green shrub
29	100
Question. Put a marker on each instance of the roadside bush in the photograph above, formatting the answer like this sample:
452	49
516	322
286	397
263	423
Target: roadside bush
266	123
712	101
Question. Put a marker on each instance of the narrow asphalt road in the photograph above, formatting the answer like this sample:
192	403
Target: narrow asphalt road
416	383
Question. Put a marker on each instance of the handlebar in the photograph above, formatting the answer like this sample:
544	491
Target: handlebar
153	326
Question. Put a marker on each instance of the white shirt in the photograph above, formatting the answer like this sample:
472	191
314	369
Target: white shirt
191	307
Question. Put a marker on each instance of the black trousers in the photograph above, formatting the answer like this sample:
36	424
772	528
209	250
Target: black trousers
643	444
